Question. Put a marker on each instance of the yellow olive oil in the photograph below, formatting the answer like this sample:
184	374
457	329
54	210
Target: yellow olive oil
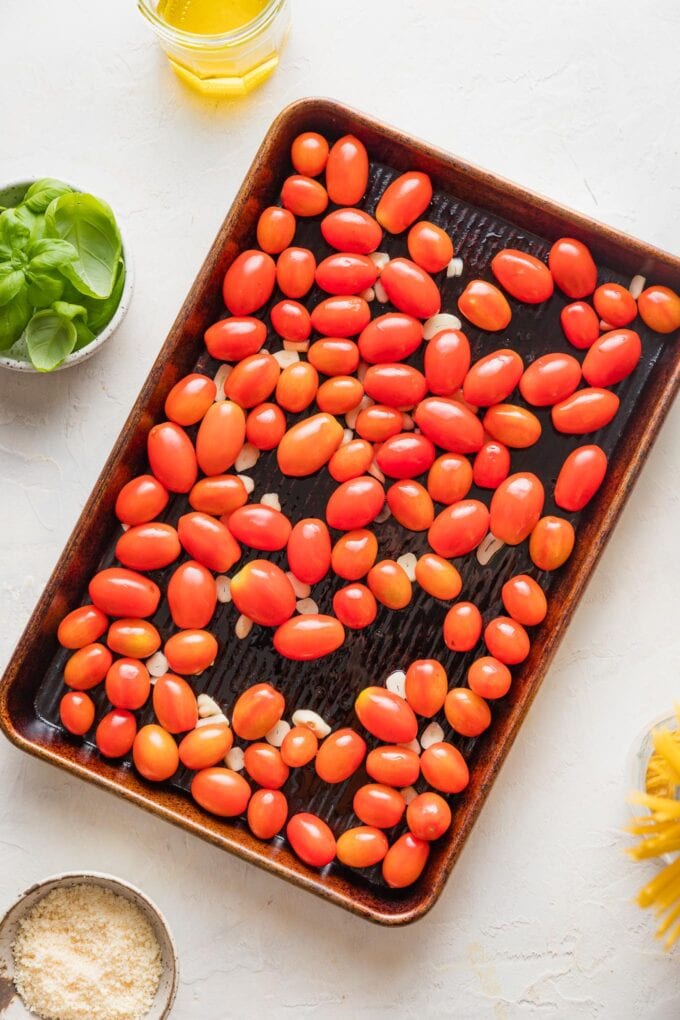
209	17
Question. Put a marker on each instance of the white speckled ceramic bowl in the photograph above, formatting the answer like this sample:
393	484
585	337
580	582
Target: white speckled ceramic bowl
12	193
11	1005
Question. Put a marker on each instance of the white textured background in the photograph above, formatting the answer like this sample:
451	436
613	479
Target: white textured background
577	100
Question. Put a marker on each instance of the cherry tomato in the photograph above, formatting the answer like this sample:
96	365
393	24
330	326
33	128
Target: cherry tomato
116	733
355	503
205	746
462	627
354	554
265	426
347	171
309	550
444	768
256	711
346	273
76	711
128	684
264	765
378	422
580	324
429	246
580	477
404	201
299	746
405	861
390	337
154	753
235	337
355	606
362	847
614	304
191	595
275	229
438	577
267	813
491	465
260	526
612	357
551	543
135	639
549	379
393	765
190	398
485	306
512	425
309	444
523	276
148	546
493	378
295	389
447	360
489	678
524	600
449	424
467	713
351	230
390	584
507	640
253	380
411	505
208	541
304	196
449	478
378	805
291	320
410	288
405	455
221	792
428	816
516	506
311	840
385	715
351	460
459	528
172	456
572	267
82	627
218	495
586	410
341	316
334	356
249	282
220	437
395	384
174	703
120	592
295	268
309	153
339	395
141	500
659	308
426	686
340	755
190	651
310	636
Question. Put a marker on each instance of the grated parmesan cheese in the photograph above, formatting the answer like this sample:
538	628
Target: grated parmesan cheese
86	953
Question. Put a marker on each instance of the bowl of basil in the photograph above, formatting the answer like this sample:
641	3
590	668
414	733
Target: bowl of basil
65	275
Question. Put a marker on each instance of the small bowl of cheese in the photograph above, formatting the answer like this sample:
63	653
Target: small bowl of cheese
86	946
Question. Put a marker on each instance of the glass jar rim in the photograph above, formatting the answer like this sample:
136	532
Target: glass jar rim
235	36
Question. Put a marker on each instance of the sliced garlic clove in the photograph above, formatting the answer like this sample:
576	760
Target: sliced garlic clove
248	483
636	286
488	548
436	323
221	376
211	720
286	357
235	759
432	734
407	562
305	606
302	590
455	267
223	588
247	458
243	627
277	733
396	682
313	721
157	664
380	292
271	499
207	706
379	259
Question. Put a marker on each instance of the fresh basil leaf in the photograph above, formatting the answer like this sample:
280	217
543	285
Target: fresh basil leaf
84	334
15	232
11	282
100	313
13	318
70	311
51	253
89	225
44	191
50	337
44	286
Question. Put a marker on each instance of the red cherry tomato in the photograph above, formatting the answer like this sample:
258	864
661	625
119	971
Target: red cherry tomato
551	543
190	398
580	324
493	378
267	813
265	766
309	444
516	506
405	455
309	550
524	600
339	395
614	304
572	267
256	711
135	639
351	460
120	592
190	651
525	277
295	270
76	711
410	288
378	805
467	713
438	577
444	768
355	503
385	715
299	746
260	526
295	390
426	686
612	358
265	426
428	816
346	273
586	410
429	246
205	746
485	306
218	495
404	201
390	337
154	753
249	282
447	360
449	424
362	847
351	230
220	437
405	861
308	637
340	755
491	466
191	595
128	684
291	320
659	308
395	384
116	733
549	379
172	457
221	791
275	229
82	627
512	425
489	678
309	153
311	840
450	478
411	505
347	171
462	627
263	593
507	640
148	546
459	528
253	379
234	338
141	500
355	606
304	196
580	477
390	584
378	422
341	316
208	541
393	765
334	356
354	554
174	703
